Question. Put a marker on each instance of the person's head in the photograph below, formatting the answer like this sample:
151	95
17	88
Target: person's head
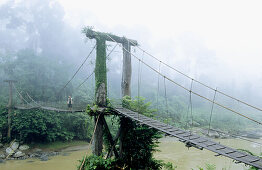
69	96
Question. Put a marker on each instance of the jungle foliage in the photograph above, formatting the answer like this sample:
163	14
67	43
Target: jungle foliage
45	126
139	143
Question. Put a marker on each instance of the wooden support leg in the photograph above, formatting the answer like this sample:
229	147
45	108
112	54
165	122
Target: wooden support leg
123	123
109	154
110	138
98	136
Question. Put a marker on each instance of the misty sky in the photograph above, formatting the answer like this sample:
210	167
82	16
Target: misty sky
215	39
230	29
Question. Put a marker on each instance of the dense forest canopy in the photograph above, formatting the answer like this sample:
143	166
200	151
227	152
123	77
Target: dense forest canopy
50	60
41	52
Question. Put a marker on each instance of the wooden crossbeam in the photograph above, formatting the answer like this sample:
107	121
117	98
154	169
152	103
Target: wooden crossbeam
96	34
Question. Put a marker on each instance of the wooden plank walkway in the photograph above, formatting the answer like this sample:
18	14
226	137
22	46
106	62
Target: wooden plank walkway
46	108
192	139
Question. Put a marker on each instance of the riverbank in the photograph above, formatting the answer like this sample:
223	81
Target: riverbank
171	150
41	151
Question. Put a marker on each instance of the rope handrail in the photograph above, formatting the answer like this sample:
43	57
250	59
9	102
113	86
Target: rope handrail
21	96
225	107
33	100
197	81
237	136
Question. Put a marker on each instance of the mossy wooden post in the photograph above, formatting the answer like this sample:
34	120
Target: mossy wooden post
101	77
126	90
127	70
100	92
10	105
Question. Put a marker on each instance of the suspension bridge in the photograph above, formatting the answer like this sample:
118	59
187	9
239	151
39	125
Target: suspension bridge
188	137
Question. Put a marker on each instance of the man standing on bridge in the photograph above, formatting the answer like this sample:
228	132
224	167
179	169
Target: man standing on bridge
69	102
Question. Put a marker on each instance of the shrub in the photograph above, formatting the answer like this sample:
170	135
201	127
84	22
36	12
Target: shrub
94	162
45	126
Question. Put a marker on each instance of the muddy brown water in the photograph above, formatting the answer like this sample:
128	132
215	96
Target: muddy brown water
171	150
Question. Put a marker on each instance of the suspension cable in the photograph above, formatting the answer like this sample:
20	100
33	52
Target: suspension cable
77	69
236	136
21	96
199	82
190	102
166	98
33	100
211	111
85	80
199	95
141	70
158	85
138	87
111	50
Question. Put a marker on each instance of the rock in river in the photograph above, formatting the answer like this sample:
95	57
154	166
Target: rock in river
18	154
14	146
2	156
44	157
23	147
9	151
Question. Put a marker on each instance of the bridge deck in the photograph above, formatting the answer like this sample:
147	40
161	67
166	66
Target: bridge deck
192	139
46	108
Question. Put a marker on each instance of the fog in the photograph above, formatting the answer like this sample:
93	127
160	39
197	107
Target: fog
215	43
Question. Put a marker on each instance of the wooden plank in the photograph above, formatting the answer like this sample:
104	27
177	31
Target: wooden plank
196	137
202	141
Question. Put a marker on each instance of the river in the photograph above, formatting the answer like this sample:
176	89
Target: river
171	150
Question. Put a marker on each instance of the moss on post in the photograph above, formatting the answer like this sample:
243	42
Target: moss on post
100	72
100	92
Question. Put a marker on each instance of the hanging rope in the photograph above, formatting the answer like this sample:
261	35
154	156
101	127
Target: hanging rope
199	95
239	137
189	105
139	83
21	96
157	99
190	102
111	50
141	68
33	100
77	70
107	57
166	98
138	87
85	80
94	84
203	84
211	111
